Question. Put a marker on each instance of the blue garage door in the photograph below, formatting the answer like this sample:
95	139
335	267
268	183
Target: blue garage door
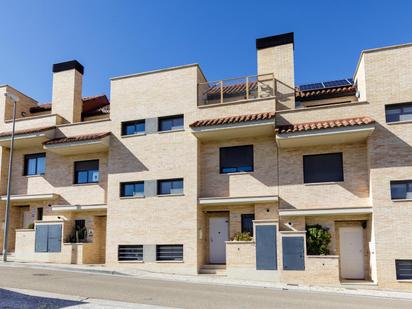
293	253
266	256
48	238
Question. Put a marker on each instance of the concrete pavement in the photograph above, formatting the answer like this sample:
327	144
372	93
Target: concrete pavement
178	294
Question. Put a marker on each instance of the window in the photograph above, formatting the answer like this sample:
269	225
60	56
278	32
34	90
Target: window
171	123
40	213
403	269
133	127
247	223
86	171
236	159
170	186
169	252
323	168
130	253
80	230
401	190
132	189
34	164
398	112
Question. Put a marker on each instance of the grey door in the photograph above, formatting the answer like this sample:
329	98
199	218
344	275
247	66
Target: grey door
266	255
48	238
293	253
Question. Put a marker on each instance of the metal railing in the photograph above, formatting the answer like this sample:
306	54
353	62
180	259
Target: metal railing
237	89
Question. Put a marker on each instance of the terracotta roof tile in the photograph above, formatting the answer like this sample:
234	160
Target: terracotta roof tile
324	93
325	124
78	138
27	131
232	119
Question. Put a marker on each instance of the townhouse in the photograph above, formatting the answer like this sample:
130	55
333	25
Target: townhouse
167	173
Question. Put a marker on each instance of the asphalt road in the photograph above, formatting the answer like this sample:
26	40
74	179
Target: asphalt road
177	294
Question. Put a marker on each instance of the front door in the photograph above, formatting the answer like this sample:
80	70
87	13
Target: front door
218	235
351	252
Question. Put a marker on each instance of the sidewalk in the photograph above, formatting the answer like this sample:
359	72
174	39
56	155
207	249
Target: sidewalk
354	290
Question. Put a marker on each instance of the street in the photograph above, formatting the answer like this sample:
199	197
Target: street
163	294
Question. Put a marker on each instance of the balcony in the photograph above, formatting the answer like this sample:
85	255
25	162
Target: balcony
80	144
239	89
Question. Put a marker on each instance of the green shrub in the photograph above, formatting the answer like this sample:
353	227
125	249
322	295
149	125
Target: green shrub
30	226
242	236
317	239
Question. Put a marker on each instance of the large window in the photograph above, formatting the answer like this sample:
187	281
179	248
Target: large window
403	269
170	186
86	171
323	168
398	112
129	189
401	190
236	159
130	253
247	223
169	252
133	127
171	123
34	164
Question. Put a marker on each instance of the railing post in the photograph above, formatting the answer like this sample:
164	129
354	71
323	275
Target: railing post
247	87
221	91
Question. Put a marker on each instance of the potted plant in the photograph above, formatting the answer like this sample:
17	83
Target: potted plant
242	236
317	239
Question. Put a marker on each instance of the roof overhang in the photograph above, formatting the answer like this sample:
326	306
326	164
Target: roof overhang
30	197
325	136
27	140
92	207
80	147
325	212
221	201
235	130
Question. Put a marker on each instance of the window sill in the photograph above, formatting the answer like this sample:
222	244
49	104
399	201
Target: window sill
323	183
169	261
404	280
32	176
402	200
132	197
237	173
133	135
171	131
123	262
165	195
85	184
399	122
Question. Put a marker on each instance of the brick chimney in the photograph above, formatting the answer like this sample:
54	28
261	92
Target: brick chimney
275	55
67	90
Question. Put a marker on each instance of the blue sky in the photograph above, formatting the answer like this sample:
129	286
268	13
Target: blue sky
112	38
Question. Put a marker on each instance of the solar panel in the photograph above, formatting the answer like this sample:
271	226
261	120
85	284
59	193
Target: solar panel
328	84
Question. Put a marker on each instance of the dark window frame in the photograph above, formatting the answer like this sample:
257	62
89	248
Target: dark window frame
134	183
228	168
408	188
76	172
400	106
172	118
130	253
243	219
401	276
173	259
307	179
35	156
133	122
160	181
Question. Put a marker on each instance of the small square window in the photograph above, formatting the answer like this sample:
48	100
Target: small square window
171	123
323	168
247	223
129	189
403	269
170	186
401	190
236	159
133	127
130	253
86	171
398	112
34	164
169	252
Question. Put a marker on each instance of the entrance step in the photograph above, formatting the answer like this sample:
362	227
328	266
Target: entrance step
211	269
